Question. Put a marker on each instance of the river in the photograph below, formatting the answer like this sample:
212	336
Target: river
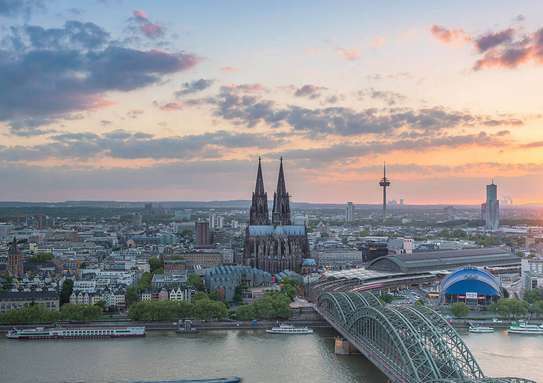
253	355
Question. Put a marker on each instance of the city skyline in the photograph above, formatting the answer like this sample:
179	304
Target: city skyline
147	101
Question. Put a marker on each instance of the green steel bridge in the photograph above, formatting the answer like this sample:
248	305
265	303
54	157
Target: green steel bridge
408	343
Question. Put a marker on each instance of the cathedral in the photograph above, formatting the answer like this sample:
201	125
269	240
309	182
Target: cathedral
279	245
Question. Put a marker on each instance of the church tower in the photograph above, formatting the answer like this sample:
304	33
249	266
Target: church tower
15	260
259	205
281	205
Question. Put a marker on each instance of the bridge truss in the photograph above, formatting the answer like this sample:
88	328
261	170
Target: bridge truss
410	344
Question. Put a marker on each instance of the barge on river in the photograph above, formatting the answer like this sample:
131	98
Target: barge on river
75	333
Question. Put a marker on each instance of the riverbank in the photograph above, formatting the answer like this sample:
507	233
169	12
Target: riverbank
173	326
500	324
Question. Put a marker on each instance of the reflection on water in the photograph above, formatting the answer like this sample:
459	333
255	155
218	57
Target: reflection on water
253	355
502	354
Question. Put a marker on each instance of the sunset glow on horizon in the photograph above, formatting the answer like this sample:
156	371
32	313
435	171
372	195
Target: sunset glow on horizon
146	100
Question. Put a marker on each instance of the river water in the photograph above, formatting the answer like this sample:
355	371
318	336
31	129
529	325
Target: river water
255	356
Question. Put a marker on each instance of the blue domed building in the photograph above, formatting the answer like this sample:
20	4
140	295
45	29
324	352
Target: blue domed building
471	285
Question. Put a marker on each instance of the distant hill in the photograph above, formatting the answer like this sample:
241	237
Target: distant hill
232	204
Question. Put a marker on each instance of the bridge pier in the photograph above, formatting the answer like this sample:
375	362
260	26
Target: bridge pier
344	347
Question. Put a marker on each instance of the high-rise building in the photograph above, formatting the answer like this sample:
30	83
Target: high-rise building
5	230
349	210
490	210
531	273
216	221
15	260
202	233
277	246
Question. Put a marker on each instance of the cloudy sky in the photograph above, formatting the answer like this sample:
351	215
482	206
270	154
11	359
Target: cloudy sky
175	100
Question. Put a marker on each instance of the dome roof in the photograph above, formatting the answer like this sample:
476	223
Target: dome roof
471	279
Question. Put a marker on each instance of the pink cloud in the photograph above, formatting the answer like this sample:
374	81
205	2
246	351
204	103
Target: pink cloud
229	69
507	58
378	42
350	54
149	29
447	36
247	88
140	14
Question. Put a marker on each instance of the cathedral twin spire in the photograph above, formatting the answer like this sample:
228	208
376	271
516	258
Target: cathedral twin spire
259	206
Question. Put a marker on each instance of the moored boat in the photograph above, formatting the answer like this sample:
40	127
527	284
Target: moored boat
288	329
524	328
75	333
481	329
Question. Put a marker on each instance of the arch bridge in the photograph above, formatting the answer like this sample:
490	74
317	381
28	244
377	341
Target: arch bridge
408	343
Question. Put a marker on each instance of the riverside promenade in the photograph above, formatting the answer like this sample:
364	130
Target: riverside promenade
173	326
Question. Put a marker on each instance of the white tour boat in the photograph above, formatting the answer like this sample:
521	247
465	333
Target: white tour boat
524	328
288	329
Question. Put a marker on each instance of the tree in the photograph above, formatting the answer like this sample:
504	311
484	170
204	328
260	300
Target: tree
386	298
458	233
207	309
156	264
80	312
237	295
41	258
32	314
213	295
289	291
196	281
144	282
532	296
200	295
459	309
245	312
160	310
289	287
272	305
8	281
131	295
101	304
508	307
536	308
67	288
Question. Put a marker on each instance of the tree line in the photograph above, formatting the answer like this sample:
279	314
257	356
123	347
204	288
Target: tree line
530	306
201	307
37	313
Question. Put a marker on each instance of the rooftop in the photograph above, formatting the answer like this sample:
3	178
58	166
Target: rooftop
265	230
444	260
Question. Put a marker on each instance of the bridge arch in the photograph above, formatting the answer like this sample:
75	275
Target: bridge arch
386	336
460	351
331	305
408	343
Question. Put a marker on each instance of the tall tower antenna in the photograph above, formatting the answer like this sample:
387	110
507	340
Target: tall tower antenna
384	183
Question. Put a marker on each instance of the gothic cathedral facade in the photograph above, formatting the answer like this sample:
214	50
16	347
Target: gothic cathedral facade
277	245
